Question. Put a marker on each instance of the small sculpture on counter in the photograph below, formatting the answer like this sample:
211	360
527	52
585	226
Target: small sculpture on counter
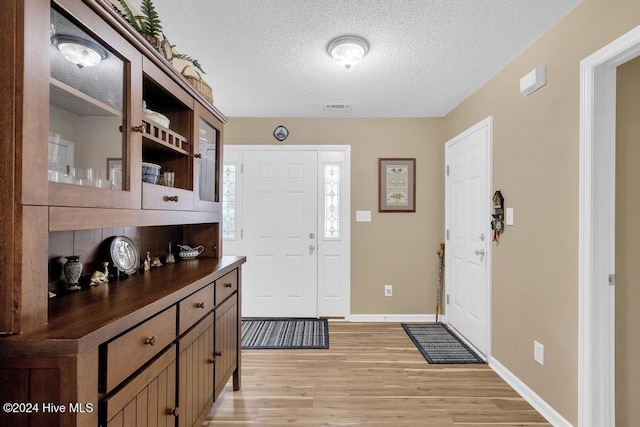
147	262
99	277
72	271
155	262
170	259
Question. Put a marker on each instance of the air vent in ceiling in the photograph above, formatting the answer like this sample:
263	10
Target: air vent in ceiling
337	107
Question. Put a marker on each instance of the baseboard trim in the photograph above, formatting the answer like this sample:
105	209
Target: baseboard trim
392	318
529	395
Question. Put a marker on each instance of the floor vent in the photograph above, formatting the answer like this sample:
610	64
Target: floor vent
337	107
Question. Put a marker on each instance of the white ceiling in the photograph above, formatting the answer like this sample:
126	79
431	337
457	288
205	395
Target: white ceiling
268	58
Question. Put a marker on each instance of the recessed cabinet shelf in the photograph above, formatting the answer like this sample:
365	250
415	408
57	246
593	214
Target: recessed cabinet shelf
165	138
72	100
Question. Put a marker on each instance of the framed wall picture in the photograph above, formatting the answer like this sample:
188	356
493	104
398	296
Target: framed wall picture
397	185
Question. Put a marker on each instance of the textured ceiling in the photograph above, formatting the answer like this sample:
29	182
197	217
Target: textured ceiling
268	58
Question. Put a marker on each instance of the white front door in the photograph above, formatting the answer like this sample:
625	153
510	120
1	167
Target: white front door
468	234
280	228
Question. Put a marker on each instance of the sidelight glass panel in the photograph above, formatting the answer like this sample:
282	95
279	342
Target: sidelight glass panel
332	201
229	201
86	108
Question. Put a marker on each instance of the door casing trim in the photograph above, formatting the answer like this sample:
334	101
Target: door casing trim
596	312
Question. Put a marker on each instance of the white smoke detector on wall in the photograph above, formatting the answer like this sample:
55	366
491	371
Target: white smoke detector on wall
534	80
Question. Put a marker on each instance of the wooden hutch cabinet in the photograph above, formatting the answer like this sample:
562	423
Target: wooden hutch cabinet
152	347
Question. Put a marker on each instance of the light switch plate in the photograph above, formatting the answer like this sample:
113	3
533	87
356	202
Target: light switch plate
509	216
363	216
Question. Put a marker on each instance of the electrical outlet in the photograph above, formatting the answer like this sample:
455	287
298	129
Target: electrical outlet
388	290
538	352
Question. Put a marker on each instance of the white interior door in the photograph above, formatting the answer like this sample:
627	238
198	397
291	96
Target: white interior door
468	234
280	228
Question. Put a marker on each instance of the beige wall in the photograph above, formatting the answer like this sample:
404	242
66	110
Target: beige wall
395	248
627	249
535	161
536	152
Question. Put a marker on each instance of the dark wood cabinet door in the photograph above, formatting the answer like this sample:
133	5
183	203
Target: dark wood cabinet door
148	400
226	342
195	373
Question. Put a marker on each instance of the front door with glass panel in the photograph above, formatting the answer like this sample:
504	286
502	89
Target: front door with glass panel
244	215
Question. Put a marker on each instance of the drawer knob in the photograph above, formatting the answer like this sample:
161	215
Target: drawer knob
151	340
228	285
218	354
139	128
175	411
170	198
198	155
211	360
200	305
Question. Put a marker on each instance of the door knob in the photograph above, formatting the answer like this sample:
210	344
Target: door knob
482	237
311	249
480	252
311	235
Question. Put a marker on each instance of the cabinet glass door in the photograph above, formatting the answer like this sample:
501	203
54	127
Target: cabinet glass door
86	109
208	151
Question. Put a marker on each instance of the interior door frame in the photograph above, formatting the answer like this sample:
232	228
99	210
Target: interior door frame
596	322
345	208
487	122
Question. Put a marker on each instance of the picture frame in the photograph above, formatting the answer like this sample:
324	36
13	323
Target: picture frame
396	185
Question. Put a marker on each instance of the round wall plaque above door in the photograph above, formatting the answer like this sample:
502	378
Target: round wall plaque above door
281	133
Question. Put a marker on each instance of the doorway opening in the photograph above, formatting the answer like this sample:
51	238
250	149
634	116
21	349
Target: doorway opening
596	352
287	210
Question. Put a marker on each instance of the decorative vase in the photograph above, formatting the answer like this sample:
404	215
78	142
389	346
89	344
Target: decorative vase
72	270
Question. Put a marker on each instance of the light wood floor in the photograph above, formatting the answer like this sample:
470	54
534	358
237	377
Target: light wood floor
372	375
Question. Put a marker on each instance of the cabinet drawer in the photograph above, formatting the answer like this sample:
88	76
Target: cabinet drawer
126	354
149	399
226	285
194	308
166	198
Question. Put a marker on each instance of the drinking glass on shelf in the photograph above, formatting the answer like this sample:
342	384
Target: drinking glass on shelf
100	179
169	178
115	175
90	176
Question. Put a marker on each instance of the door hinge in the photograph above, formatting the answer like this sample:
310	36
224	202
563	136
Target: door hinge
241	233
447	299
447	234
612	280
447	170
241	167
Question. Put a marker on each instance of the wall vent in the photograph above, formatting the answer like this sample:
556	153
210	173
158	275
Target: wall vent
337	107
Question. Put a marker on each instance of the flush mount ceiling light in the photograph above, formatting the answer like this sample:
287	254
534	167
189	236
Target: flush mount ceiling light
83	53
348	50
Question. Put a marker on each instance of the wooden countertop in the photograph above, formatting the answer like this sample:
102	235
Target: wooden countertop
84	320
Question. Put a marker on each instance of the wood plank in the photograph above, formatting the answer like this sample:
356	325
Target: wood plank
66	218
9	86
372	374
